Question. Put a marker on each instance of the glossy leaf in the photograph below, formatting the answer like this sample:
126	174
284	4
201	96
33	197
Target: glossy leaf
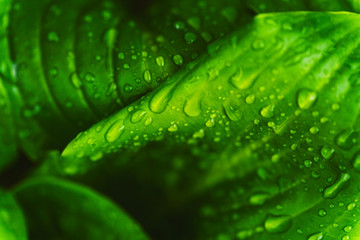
299	56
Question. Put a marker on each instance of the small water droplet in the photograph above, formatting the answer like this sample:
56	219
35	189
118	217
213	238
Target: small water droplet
178	60
161	98
327	152
347	139
147	76
115	131
160	61
89	77
192	106
173	128
322	212
210	123
259	198
233	111
189	37
239	81
53	37
306	98
333	190
250	99
75	81
128	88
316	236
258	44
267	111
356	161
137	116
278	224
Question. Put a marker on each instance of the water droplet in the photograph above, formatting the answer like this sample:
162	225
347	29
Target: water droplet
210	123
233	111
160	61
189	37
194	22
333	190
147	76
75	81
258	44
173	128
267	111
89	77
250	99
53	37
121	56
314	130
137	116
327	152
322	212
345	237
306	98
148	121
54	72
316	236
115	131
239	81
161	98
356	161
347	228
278	224
192	106
178	60
347	139
128	88
179	25
259	198
351	206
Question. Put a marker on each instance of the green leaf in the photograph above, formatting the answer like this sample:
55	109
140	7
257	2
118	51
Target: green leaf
8	143
272	73
58	209
12	224
262	6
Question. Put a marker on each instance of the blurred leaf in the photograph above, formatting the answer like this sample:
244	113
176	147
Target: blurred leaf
12	224
57	209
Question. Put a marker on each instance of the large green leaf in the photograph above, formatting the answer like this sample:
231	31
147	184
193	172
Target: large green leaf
57	209
270	75
12	224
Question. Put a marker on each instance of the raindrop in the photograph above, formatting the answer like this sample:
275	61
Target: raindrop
306	98
278	224
115	131
333	190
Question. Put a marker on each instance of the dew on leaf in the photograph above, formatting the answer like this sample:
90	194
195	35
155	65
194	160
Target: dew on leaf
316	236
306	98
278	223
333	190
327	152
115	131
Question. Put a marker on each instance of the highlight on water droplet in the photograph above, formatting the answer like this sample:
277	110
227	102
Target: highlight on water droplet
356	161
178	60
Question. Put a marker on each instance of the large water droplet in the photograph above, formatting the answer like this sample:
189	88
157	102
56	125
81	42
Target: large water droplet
278	224
306	98
233	111
333	190
161	98
192	106
115	131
